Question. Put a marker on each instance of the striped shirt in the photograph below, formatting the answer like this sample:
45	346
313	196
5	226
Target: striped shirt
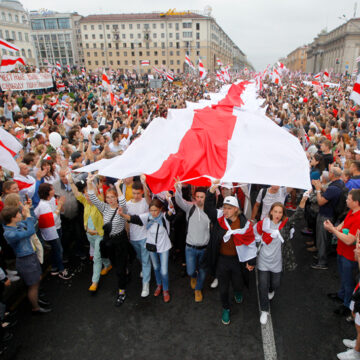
118	223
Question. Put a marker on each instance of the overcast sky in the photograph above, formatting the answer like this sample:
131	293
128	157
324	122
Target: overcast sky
265	30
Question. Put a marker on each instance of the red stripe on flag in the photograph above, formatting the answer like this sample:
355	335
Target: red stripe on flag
13	153
22	184
356	88
46	220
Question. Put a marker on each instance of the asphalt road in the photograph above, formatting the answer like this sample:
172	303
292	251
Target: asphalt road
84	326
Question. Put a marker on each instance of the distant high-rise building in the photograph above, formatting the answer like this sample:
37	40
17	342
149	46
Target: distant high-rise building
56	37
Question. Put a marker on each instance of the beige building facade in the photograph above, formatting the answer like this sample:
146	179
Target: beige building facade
57	38
15	28
335	50
296	60
122	41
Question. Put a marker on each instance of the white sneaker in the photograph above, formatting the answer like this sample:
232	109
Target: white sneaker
350	354
349	343
145	290
13	278
264	317
11	272
214	284
140	274
271	295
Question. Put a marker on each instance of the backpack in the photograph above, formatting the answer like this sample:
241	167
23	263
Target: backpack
341	209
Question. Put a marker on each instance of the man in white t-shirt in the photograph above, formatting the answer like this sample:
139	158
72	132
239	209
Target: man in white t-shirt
136	206
273	194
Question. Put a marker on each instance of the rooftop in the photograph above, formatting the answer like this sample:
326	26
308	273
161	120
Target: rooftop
141	16
12	4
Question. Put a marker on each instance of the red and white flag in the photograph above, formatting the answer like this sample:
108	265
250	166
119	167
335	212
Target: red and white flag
64	104
276	77
317	76
46	219
9	147
326	75
294	87
83	71
27	185
145	62
220	77
218	62
202	71
8	63
281	65
58	66
188	62
60	87
200	144
355	94
169	77
157	70
68	68
8	46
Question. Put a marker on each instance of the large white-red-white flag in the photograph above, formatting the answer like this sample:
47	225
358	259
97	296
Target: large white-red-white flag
106	84
8	46
210	140
202	71
276	77
8	63
189	62
355	94
145	62
9	147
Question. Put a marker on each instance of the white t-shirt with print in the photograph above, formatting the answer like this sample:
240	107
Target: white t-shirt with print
137	208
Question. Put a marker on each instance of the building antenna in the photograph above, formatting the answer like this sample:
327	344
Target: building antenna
355	8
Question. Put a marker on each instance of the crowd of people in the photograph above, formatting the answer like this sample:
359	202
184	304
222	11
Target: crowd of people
51	214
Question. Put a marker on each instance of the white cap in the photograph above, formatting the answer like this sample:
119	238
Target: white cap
227	185
356	151
231	200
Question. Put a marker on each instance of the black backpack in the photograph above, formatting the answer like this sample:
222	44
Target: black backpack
341	209
192	210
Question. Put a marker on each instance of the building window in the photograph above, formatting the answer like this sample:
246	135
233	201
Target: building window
109	45
163	53
100	27
198	53
177	36
92	27
147	45
96	62
94	45
155	35
133	53
16	18
118	53
107	27
139	36
162	25
88	54
130	26
95	54
170	35
197	26
26	37
101	36
154	26
187	34
85	27
148	53
171	62
164	62
187	25
104	62
140	53
86	36
10	17
123	26
155	53
138	26
178	45
124	45
37	24
171	53
111	62
7	36
178	62
29	54
177	53
118	62
146	26
89	62
13	35
177	26
163	35
197	36
133	62
198	45
156	62
23	52
64	23
115	26
108	36
87	45
126	62
131	36
170	25
93	36
163	45
170	44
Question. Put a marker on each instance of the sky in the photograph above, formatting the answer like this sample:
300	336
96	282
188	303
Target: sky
265	30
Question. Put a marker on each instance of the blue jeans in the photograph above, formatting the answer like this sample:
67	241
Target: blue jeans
346	270
94	241
160	263
56	254
194	259
143	256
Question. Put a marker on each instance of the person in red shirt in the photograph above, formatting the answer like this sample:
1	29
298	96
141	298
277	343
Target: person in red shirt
346	235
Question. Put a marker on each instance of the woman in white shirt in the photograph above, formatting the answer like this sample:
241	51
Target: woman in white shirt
157	241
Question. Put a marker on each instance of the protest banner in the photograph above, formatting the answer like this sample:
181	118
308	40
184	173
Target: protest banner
25	81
